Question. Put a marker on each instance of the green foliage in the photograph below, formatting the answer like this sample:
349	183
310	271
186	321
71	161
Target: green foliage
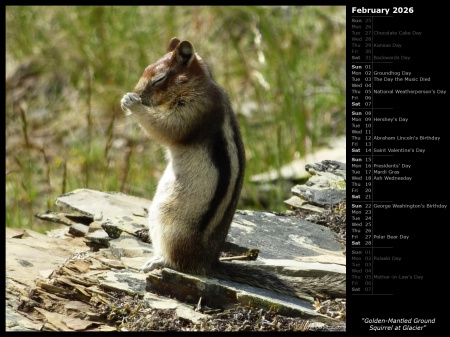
68	67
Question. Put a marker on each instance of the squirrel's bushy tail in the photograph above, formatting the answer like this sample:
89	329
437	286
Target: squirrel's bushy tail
304	287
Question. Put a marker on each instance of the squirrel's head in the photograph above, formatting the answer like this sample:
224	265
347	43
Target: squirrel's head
174	78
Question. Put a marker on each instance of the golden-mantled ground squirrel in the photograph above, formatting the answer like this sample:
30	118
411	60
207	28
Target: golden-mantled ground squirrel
178	104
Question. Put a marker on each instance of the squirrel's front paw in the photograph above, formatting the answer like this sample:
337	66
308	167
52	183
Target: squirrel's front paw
129	100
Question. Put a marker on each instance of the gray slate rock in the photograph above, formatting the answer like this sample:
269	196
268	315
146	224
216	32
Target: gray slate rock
325	187
283	241
280	237
96	203
224	294
127	246
126	281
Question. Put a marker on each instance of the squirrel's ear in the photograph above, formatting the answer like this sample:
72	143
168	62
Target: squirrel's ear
185	53
172	44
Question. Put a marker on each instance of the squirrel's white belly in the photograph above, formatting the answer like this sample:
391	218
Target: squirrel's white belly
183	195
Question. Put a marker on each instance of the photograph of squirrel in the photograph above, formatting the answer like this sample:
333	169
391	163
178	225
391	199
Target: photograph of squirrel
179	105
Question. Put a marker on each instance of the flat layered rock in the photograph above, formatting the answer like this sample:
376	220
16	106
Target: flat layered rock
281	237
99	204
69	282
32	255
325	187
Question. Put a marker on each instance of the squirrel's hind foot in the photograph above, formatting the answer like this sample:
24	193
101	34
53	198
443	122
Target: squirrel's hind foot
154	263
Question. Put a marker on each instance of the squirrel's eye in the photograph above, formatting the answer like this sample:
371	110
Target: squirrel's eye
159	80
